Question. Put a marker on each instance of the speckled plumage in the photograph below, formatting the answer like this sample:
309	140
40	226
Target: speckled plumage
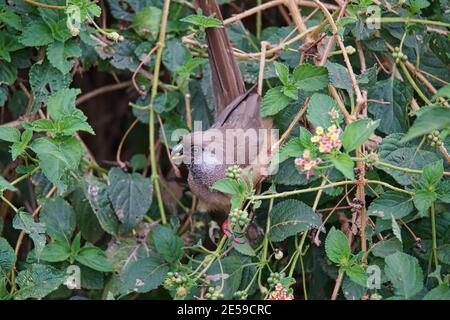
236	109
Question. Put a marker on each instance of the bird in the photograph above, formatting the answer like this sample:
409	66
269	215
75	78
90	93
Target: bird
239	135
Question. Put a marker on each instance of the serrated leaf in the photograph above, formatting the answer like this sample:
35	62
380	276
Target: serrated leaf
291	217
344	164
36	34
357	133
167	244
146	21
423	199
94	258
391	203
97	194
434	118
282	72
433	172
309	77
8	73
386	247
203	21
60	53
405	274
337	247
357	274
59	219
274	101
319	108
57	156
143	275
389	100
130	195
36	231
38	281
56	252
441	292
7	256
226	185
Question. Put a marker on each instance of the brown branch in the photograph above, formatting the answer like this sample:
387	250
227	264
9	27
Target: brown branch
102	90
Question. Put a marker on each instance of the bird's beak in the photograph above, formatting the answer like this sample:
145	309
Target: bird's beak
177	154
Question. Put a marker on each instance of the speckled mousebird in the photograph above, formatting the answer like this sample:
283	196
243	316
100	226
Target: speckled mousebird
237	116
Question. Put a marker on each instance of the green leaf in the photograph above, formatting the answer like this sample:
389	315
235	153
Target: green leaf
11	19
357	132
44	80
357	274
146	21
244	247
443	191
282	72
5	184
423	199
94	258
226	185
87	222
59	219
59	54
69	125
203	21
443	253
291	217
144	275
405	274
391	203
274	101
433	118
386	247
56	252
36	34
97	194
57	156
38	281
130	195
62	103
167	244
433	172
443	92
337	247
319	108
396	229
309	77
408	155
8	73
24	221
7	256
229	272
344	164
389	100
441	292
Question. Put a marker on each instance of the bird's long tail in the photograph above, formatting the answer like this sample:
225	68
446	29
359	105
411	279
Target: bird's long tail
226	77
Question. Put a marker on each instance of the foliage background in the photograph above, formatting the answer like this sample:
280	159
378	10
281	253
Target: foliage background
86	178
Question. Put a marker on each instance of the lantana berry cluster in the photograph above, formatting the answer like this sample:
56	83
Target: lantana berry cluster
234	172
177	283
238	217
214	294
279	291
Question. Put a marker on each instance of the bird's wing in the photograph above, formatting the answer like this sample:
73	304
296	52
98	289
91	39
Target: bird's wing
227	83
